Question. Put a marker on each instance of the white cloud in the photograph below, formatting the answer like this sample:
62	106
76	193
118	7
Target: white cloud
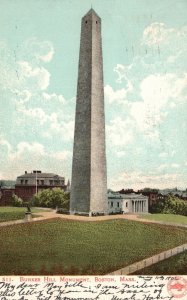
163	154
156	91
28	156
120	153
64	129
4	142
162	167
35	49
37	113
35	78
54	121
21	68
122	72
157	33
176	166
118	96
54	97
22	150
61	155
138	180
120	132
168	166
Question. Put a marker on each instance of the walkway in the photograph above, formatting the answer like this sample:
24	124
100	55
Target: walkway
150	261
52	214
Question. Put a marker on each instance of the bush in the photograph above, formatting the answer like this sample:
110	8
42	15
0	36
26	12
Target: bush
170	205
16	201
52	198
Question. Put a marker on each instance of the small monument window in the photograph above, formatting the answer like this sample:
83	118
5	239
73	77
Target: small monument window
126	204
96	22
86	22
118	204
111	204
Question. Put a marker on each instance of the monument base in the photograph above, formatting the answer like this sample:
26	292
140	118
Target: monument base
28	216
88	214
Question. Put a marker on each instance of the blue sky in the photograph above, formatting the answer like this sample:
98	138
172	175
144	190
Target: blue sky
145	82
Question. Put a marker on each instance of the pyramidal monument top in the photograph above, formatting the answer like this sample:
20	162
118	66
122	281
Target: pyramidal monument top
91	13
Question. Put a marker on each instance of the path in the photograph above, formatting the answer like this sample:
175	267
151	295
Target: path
150	261
52	214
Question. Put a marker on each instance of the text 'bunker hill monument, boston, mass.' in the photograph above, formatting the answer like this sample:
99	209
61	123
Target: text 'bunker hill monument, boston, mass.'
89	178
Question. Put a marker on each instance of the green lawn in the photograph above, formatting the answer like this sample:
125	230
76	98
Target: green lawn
59	246
171	266
9	213
166	218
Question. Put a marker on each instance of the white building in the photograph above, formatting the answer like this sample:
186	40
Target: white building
127	203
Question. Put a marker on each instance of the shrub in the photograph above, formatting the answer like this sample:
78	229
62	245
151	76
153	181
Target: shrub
16	201
52	198
171	205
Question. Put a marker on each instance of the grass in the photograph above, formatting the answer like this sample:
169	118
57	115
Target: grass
59	246
171	266
165	218
9	213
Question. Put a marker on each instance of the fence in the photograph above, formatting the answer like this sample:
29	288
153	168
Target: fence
150	261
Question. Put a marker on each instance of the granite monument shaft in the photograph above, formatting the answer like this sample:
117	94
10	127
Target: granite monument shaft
89	179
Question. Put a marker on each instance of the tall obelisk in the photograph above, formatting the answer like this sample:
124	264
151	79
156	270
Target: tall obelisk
89	179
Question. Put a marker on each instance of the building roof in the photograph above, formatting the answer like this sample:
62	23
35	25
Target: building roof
131	196
40	175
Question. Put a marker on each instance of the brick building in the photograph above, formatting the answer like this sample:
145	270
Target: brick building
6	195
29	184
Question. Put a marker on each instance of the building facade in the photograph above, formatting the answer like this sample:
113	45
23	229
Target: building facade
6	195
127	203
29	184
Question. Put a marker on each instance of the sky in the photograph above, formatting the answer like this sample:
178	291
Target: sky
145	86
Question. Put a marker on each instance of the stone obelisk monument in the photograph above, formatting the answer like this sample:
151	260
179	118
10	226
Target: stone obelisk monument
89	180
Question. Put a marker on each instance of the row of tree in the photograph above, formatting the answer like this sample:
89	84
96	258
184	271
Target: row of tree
170	205
52	198
57	198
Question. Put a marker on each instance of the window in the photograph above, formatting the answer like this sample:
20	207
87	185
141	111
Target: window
26	181
21	181
42	182
126	204
51	182
111	204
96	22
117	204
86	22
37	181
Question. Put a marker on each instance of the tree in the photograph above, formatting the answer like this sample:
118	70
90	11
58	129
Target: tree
171	205
52	198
